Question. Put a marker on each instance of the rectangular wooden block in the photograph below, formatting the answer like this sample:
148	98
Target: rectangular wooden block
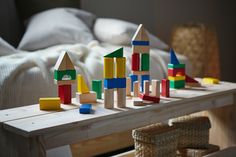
133	79
120	67
143	78
64	75
176	78
115	83
90	97
64	82
108	69
121	97
146	87
176	65
176	72
109	98
140	72
136	88
128	86
50	103
85	108
135	61
165	88
138	102
97	87
149	98
177	84
81	85
145	61
155	88
140	43
140	49
64	92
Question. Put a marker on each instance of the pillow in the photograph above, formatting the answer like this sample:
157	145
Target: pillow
120	32
5	48
57	26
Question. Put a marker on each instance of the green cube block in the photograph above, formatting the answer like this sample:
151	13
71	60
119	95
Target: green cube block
64	75
145	61
177	84
97	87
176	65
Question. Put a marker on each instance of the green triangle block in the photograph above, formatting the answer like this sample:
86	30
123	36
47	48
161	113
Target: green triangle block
116	54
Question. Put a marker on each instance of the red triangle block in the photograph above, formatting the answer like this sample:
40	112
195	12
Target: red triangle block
189	79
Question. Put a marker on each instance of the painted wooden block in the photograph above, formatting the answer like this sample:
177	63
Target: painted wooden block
176	65
85	108
210	80
165	88
64	92
97	87
140	43
176	72
177	84
189	81
108	71
128	86
121	97
115	83
81	85
140	72
116	54
120	67
155	88
143	78
136	88
173	58
146	87
50	103
64	75
135	61
176	78
109	98
90	97
145	62
149	98
133	79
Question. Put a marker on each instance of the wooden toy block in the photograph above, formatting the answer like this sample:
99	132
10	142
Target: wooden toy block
64	82
85	108
97	87
109	98
116	54
176	72
176	78
120	82
135	61
143	78
155	88
189	81
176	66
128	86
210	80
90	97
145	62
64	62
136	88
82	86
138	102
121	97
149	98
50	103
108	71
177	84
146	87
140	72
140	43
115	83
133	79
64	75
64	92
173	58
140	34
165	88
120	67
141	49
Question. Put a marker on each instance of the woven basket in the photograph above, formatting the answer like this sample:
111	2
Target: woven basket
194	131
199	44
157	140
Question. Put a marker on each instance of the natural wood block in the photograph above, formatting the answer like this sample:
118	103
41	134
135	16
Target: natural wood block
141	49
140	34
81	86
128	86
64	62
136	88
64	82
146	87
138	102
155	88
120	67
140	72
90	97
109	98
50	103
108	69
121	97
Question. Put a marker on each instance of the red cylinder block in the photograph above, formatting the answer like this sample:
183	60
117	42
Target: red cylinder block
135	61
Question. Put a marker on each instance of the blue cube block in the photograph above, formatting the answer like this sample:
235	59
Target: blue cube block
133	79
85	109
110	83
143	78
120	82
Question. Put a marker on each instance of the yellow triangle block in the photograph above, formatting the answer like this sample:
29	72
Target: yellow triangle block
82	86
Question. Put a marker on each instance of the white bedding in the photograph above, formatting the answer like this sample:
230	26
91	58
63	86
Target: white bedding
25	77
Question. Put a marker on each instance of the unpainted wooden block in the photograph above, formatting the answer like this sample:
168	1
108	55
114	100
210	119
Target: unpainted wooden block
128	86
108	69
82	86
121	97
109	98
83	98
136	88
133	79
155	88
138	102
140	72
50	103
146	87
64	62
120	67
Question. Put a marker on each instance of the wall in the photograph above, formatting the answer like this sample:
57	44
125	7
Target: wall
160	16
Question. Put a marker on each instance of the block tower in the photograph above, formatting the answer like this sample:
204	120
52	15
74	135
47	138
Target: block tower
176	72
64	76
114	78
140	57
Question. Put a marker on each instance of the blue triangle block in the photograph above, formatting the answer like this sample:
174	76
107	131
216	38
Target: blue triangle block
173	58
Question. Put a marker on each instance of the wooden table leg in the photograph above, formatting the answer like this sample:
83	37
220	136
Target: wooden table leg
12	145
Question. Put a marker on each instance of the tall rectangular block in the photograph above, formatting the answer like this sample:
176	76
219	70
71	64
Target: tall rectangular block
146	87
145	61
155	88
165	87
128	86
135	61
97	87
136	88
133	79
108	69
143	78
120	67
64	92
121	97
109	98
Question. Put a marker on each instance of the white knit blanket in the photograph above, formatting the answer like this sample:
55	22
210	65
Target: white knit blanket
27	76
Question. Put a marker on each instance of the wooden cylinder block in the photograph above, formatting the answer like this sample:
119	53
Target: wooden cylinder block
120	67
108	71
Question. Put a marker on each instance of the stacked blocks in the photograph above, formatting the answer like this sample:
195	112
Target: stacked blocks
140	57
114	79
64	76
176	72
97	87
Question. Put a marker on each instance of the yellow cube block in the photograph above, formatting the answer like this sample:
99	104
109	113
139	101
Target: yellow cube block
120	67
82	86
210	80
108	70
176	78
50	103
